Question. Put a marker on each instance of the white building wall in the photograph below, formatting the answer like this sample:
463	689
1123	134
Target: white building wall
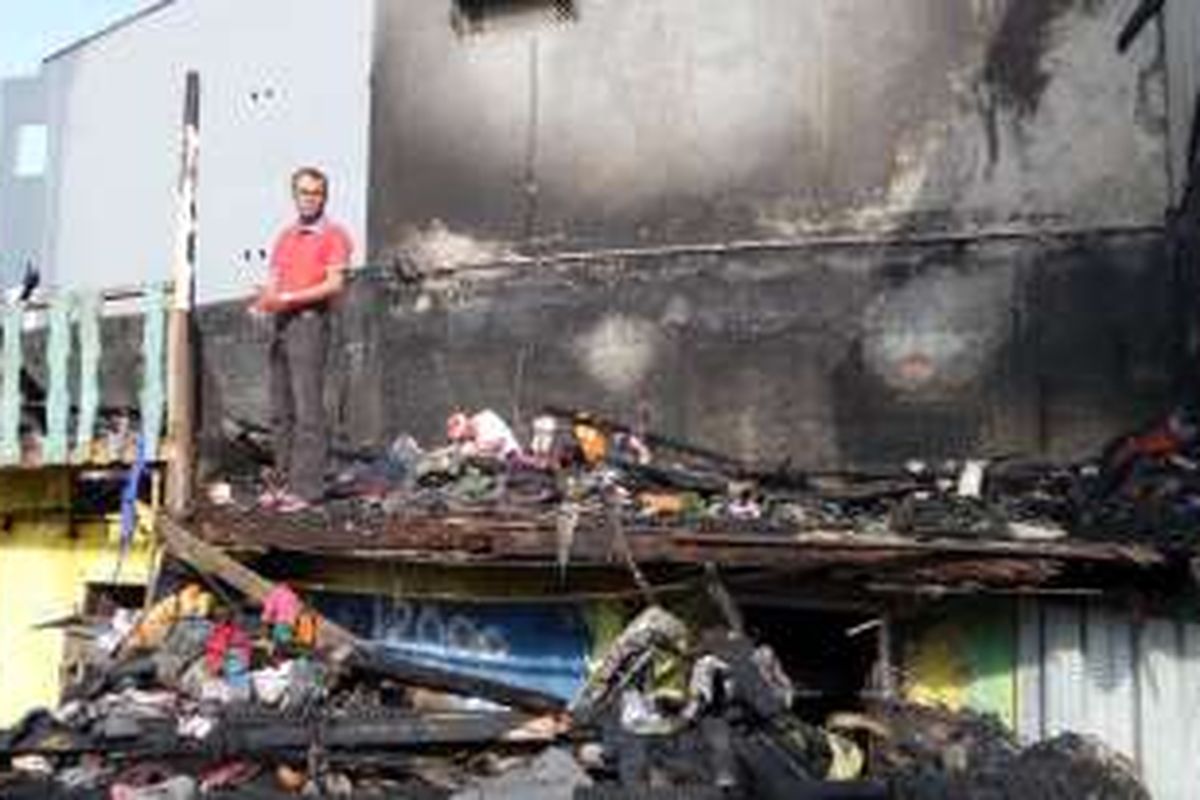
283	83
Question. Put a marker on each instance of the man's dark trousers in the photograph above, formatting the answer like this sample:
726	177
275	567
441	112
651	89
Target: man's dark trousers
297	360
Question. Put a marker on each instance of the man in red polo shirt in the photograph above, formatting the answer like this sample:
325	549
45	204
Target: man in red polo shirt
307	272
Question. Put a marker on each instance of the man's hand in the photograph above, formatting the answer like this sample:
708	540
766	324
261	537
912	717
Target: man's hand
272	301
268	301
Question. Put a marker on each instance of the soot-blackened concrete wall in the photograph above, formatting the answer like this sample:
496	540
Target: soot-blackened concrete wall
829	356
643	122
847	232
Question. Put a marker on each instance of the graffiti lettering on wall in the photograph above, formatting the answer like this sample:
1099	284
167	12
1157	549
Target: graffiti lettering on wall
540	647
429	626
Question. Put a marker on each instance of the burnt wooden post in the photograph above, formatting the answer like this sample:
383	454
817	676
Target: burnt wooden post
181	372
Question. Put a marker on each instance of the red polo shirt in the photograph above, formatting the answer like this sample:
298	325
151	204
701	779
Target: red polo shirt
304	253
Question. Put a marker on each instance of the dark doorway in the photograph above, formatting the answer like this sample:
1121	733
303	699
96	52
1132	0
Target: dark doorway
829	655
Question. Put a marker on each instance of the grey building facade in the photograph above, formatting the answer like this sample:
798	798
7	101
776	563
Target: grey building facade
23	164
825	232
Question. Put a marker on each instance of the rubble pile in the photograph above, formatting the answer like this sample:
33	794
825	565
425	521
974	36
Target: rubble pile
577	465
929	753
196	696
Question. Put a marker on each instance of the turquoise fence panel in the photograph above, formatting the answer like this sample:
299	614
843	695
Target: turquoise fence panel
153	397
10	390
58	396
88	311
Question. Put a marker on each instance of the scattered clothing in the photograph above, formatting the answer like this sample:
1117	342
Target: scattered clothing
483	434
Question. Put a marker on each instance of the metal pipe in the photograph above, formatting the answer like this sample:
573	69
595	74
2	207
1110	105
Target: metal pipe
811	243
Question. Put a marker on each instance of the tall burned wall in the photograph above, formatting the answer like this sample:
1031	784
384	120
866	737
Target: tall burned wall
826	231
992	347
671	121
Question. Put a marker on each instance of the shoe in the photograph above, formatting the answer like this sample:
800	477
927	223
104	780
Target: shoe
269	498
291	503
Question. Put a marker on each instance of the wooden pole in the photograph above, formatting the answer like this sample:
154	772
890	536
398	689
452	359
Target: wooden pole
181	382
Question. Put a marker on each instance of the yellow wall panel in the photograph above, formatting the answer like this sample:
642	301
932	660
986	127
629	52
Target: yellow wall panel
44	571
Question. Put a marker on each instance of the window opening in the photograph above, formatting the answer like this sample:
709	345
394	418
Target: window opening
476	16
31	151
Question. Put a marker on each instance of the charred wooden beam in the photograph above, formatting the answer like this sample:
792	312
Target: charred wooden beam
375	661
241	735
501	536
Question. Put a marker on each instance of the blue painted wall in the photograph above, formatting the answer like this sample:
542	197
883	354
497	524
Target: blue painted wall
542	647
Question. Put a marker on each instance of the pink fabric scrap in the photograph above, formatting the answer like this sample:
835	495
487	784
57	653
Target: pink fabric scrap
281	606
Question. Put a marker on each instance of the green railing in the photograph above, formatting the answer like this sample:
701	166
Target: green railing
66	432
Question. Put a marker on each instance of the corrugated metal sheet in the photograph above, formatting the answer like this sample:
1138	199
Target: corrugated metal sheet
1065	689
1088	668
1190	703
1109	677
1158	671
1029	671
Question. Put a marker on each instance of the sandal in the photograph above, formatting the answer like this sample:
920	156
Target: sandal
291	503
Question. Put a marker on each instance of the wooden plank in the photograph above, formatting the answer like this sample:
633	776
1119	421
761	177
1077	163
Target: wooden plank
153	396
88	311
501	533
10	390
58	397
